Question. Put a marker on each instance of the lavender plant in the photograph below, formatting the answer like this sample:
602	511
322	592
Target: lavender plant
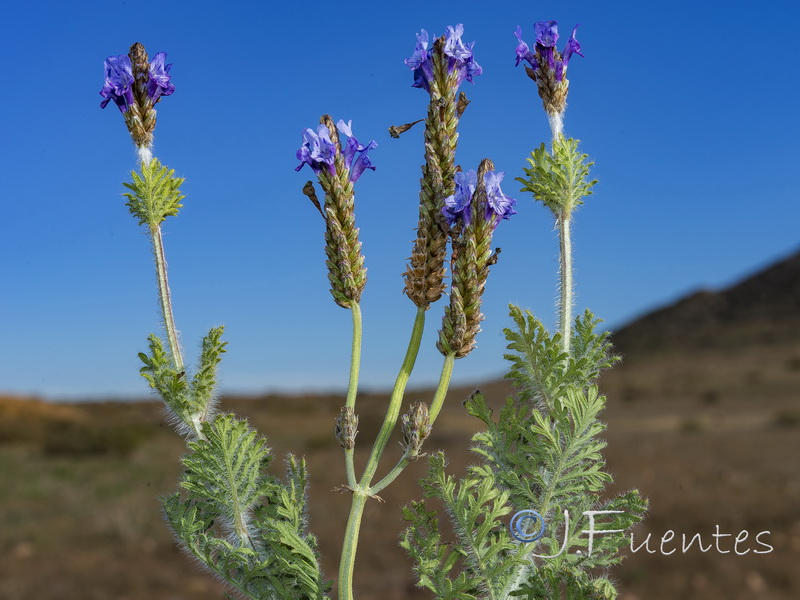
245	525
249	527
542	458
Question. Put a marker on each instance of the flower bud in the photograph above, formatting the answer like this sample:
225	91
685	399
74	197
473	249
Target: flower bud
347	428
416	427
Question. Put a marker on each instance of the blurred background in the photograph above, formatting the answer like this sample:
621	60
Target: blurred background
688	249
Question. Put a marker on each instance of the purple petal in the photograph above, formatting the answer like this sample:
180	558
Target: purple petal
420	51
457	206
572	47
420	62
499	204
361	163
158	83
546	33
118	85
523	51
317	151
345	128
469	70
453	46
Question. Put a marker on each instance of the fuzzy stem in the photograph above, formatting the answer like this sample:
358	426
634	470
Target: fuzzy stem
566	285
164	296
145	154
556	121
565	255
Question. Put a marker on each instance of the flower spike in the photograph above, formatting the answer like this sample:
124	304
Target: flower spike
136	85
439	70
472	213
338	166
546	66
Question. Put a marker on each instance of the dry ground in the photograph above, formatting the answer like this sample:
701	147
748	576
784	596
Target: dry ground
711	440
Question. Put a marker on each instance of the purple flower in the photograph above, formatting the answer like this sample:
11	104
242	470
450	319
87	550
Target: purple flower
498	204
420	62
118	85
158	83
546	33
457	206
546	57
459	58
317	151
355	155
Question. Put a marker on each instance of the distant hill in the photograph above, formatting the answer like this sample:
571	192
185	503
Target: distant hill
764	308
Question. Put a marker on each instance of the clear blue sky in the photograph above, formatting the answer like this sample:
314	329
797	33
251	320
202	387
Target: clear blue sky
688	108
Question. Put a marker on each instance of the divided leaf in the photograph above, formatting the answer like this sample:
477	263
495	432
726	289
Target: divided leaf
559	180
190	404
542	453
226	469
155	194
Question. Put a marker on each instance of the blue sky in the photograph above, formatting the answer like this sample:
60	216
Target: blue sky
688	108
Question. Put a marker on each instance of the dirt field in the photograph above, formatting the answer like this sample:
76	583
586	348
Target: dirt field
712	440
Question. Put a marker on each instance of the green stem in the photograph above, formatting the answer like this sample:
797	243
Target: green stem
164	297
355	356
350	544
441	389
565	275
396	399
436	406
361	491
391	475
352	386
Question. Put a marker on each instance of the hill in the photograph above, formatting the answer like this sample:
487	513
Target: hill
763	308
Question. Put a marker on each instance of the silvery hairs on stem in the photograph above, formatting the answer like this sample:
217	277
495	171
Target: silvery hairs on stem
136	86
439	71
338	167
548	68
472	214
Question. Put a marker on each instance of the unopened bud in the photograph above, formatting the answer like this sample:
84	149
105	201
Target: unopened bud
416	427
347	428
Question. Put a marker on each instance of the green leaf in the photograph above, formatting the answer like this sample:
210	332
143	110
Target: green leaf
226	469
155	194
204	381
160	373
190	403
559	180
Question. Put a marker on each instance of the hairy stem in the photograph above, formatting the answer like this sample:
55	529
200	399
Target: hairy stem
565	255
565	276
556	123
164	297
